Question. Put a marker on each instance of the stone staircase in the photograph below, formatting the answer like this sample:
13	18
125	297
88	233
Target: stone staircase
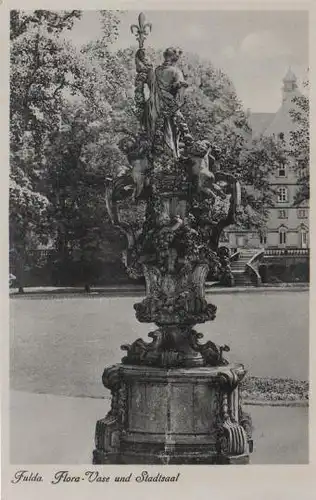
239	269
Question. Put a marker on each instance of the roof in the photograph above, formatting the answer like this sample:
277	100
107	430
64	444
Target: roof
282	120
268	124
259	122
290	76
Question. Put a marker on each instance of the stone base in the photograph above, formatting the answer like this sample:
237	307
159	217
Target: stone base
103	458
173	416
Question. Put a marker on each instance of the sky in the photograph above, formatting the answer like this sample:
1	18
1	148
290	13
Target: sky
254	48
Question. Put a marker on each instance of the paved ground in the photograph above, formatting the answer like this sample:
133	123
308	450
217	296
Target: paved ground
61	346
280	434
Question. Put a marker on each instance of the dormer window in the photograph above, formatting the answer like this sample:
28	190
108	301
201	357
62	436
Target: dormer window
282	170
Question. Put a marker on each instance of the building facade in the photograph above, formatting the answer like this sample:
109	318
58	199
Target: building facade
288	224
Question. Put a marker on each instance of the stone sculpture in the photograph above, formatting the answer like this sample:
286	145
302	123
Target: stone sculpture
176	247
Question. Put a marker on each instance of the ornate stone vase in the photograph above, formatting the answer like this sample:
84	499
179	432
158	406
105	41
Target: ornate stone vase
175	399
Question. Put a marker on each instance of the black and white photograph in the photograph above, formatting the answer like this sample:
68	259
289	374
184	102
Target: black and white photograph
159	241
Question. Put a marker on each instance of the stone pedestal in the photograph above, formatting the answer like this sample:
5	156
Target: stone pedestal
173	416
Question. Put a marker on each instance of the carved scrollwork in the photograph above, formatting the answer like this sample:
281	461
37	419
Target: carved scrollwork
139	352
211	353
109	429
232	439
231	436
229	378
111	377
174	345
122	404
245	419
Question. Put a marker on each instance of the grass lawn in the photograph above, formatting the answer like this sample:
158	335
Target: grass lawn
61	345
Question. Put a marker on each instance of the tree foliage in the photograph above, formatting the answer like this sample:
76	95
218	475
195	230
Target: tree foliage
39	67
49	77
82	156
300	145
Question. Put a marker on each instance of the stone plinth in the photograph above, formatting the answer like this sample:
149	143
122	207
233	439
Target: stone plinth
173	416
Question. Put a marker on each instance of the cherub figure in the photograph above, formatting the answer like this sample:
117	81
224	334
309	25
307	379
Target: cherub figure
136	151
204	178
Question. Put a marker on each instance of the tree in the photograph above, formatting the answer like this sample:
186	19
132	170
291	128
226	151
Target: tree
299	145
39	65
21	21
213	111
46	73
81	157
28	210
83	154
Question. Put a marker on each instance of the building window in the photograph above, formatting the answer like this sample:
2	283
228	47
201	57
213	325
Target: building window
282	194
302	174
302	213
281	136
282	170
282	236
224	238
282	214
302	168
263	239
304	238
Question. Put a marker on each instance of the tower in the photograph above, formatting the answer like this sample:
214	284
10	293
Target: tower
289	85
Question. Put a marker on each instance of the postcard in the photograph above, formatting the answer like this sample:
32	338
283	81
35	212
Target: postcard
157	250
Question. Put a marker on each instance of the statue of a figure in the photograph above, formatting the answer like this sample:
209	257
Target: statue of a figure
203	177
162	119
136	150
